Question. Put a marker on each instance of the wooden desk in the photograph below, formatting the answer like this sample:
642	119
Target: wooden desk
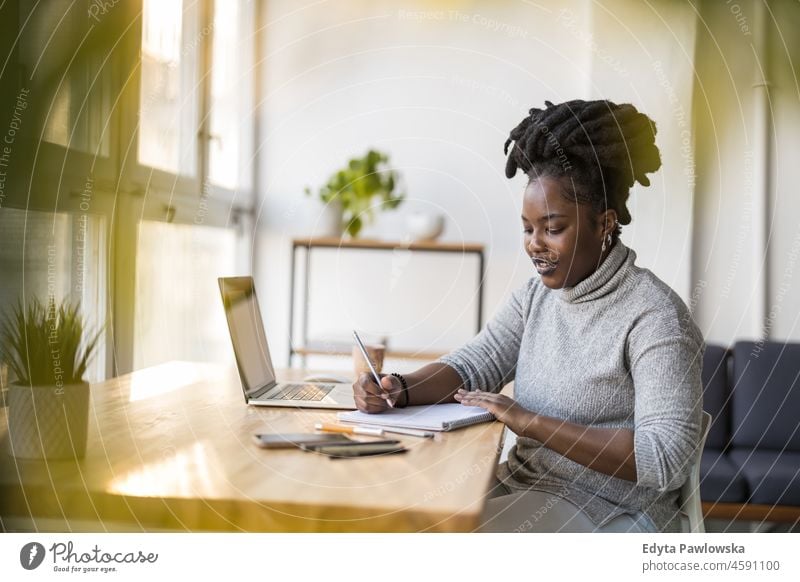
169	448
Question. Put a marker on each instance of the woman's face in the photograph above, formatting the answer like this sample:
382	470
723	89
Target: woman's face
562	237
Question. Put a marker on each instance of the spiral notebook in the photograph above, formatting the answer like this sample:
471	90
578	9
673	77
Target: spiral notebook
439	417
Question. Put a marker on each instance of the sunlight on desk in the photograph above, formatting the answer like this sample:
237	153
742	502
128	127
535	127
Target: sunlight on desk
169	377
185	473
171	448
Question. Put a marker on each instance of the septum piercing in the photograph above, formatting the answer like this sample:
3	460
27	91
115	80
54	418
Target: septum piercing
548	259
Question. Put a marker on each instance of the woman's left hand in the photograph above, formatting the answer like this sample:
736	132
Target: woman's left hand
505	409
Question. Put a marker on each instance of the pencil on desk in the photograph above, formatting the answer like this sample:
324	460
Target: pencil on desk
373	430
325	427
408	431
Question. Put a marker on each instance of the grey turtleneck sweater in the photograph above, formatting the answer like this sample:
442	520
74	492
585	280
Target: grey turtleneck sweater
618	350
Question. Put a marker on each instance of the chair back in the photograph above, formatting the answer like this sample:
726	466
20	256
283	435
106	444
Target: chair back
689	498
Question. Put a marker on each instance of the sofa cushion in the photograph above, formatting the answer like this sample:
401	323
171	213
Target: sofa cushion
720	481
765	396
715	395
773	477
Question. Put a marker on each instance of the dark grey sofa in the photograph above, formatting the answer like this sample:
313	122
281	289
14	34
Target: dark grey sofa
750	468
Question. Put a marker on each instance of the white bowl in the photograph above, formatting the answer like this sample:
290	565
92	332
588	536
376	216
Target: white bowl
425	227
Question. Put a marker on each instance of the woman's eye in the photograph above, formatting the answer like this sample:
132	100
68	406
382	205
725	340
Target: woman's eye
527	230
554	230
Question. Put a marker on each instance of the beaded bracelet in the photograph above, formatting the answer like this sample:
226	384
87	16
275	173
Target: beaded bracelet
405	387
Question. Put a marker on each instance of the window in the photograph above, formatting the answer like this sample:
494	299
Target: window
179	313
195	151
168	113
230	119
195	117
138	142
80	111
59	255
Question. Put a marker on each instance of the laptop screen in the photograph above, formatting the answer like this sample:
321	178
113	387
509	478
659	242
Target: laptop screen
247	333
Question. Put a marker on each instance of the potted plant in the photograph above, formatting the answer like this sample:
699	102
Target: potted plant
353	187
46	348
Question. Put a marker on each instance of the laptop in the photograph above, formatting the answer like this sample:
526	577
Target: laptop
255	365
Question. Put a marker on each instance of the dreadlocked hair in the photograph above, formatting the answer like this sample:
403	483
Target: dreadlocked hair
601	147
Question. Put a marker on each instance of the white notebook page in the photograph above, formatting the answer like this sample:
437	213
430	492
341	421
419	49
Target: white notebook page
432	417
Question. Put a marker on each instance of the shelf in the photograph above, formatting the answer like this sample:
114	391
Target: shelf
307	244
333	242
400	354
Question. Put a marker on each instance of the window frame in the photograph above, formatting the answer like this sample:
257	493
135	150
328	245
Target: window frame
67	165
124	191
153	194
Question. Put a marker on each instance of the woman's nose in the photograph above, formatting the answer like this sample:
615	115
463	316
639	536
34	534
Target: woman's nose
534	242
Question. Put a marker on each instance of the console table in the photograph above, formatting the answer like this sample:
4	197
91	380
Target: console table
308	244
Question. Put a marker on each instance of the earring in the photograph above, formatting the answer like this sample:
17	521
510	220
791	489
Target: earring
603	248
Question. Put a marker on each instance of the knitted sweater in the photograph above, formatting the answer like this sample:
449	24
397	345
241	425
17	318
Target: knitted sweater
618	350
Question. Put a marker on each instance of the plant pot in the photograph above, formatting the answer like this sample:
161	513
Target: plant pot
48	422
329	220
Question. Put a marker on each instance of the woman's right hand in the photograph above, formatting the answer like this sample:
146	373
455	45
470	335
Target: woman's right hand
371	398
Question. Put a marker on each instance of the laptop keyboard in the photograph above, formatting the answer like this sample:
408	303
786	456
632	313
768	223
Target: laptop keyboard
310	392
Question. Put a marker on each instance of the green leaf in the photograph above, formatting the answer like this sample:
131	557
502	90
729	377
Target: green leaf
45	345
357	184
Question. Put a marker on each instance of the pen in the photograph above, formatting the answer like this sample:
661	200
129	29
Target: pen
371	368
408	431
325	427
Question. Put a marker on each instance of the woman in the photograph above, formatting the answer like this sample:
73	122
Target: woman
605	357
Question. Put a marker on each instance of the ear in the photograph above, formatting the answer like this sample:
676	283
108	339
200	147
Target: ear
607	221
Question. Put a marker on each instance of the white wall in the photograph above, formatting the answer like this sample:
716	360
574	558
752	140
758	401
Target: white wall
643	53
783	298
439	88
439	85
730	264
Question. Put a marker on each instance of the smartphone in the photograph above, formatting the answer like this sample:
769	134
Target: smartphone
298	440
311	447
359	450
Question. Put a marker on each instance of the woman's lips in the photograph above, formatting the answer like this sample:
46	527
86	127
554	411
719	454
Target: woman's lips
544	267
